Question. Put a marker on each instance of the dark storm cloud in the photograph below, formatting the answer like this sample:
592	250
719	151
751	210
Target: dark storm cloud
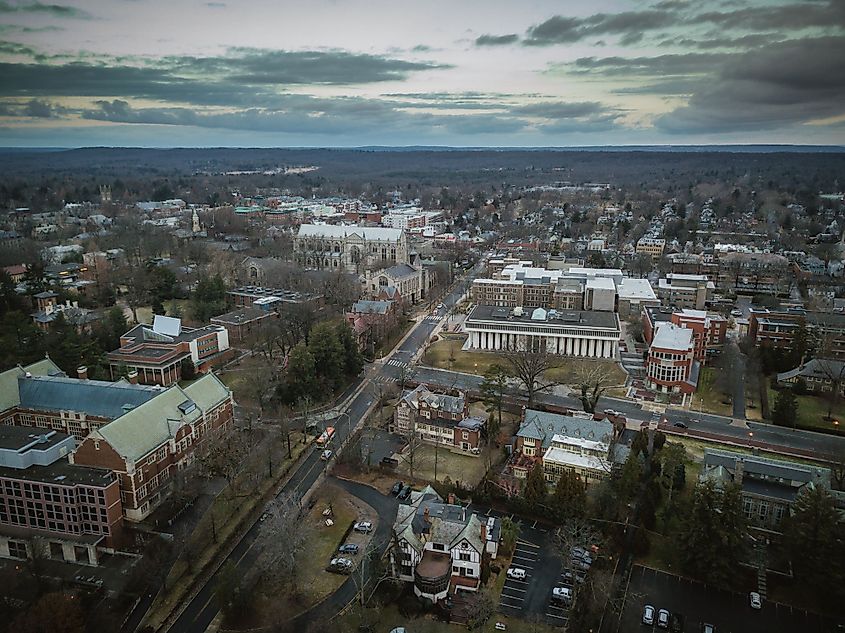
335	116
35	109
13	48
246	77
631	26
564	30
742	42
496	40
786	84
56	10
658	66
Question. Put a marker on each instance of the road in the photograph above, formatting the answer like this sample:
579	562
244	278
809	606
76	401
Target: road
703	426
202	609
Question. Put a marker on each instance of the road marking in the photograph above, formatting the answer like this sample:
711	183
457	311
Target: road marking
559	617
514	589
528	544
507	595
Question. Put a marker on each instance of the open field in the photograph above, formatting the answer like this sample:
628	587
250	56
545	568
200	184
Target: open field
468	469
708	398
813	410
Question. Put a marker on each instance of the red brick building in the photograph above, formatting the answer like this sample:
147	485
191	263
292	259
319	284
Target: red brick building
709	329
71	512
148	445
671	366
439	419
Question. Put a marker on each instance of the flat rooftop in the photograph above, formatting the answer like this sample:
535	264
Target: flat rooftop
14	438
587	318
61	473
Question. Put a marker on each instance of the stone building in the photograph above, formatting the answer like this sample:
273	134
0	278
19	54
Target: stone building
351	248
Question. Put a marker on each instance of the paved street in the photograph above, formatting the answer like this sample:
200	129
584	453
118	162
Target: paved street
201	611
729	612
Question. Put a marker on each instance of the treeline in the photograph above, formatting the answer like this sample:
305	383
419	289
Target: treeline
322	364
23	342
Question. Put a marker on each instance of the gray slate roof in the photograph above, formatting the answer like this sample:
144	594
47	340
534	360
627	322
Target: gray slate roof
94	397
542	426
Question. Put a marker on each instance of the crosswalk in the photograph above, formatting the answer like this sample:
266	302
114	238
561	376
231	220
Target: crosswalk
385	380
396	363
433	319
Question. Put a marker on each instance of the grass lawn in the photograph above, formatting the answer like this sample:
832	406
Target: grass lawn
468	469
707	397
812	411
438	354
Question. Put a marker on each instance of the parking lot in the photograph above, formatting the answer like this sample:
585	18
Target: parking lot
727	611
516	592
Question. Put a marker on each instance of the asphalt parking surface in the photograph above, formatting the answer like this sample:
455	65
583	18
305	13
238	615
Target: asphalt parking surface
515	593
727	611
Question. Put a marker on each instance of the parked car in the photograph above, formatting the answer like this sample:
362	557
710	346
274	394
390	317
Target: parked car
755	600
648	614
681	425
440	306
562	594
341	565
363	526
389	462
501	626
736	312
406	492
578	553
568	578
707	628
326	455
517	573
397	488
663	619
348	548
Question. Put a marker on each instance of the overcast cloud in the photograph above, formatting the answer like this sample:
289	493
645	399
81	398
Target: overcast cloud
362	72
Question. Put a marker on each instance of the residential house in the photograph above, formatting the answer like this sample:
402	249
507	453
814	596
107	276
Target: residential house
439	419
440	545
819	375
372	321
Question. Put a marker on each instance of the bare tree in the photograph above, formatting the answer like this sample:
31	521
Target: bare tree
481	606
218	458
286	540
413	452
593	380
528	366
833	370
574	535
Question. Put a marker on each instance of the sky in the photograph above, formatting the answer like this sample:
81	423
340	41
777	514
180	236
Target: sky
340	73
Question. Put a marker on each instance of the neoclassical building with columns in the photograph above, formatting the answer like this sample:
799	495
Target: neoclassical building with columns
586	334
349	247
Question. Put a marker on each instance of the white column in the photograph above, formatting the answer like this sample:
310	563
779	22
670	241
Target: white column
591	344
499	341
568	343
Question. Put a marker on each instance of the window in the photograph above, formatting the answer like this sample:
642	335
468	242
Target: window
465	556
17	549
439	547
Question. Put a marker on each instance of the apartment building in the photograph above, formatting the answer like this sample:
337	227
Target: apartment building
50	508
440	545
156	352
651	246
685	291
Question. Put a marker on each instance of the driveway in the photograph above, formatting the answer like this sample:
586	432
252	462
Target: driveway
728	611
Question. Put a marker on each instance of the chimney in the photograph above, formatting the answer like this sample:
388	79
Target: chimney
426	516
132	377
740	465
484	533
82	372
451	499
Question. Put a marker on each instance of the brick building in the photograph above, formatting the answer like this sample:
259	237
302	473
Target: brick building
157	351
243	322
777	328
439	419
709	328
149	444
71	513
671	366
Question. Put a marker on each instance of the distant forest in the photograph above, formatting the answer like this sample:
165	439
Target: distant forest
77	173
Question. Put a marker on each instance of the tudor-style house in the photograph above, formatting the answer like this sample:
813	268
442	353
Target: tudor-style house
439	545
438	419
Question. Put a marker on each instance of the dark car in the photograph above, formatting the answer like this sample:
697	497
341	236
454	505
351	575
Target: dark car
405	493
681	425
397	488
348	548
676	623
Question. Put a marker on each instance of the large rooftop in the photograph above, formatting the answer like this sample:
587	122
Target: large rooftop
333	231
607	320
670	336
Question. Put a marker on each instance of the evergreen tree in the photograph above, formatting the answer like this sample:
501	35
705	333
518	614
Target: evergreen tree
712	531
328	353
209	299
300	376
785	412
493	393
810	535
570	496
353	362
535	486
